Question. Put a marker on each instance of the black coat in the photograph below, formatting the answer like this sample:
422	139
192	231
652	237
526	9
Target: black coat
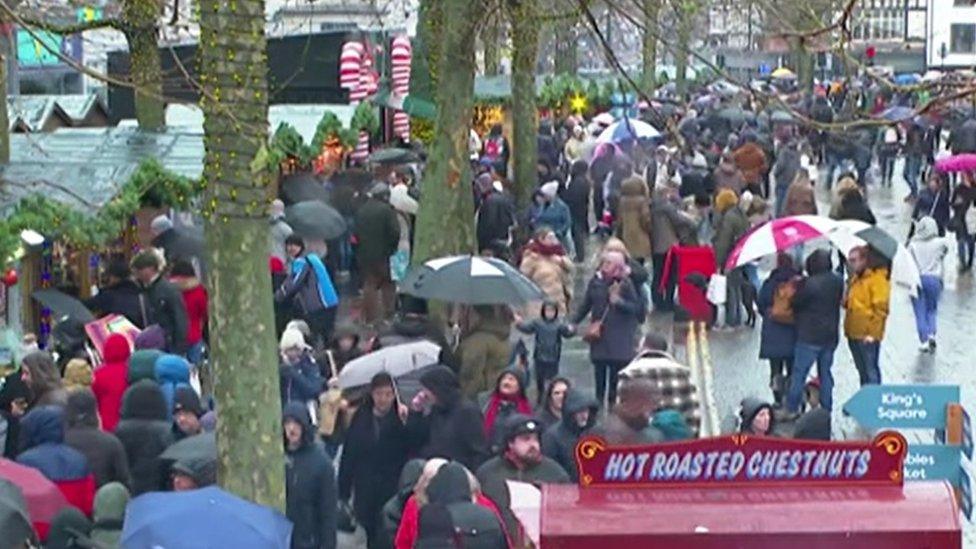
145	433
576	195
559	441
816	309
104	452
310	488
620	321
495	217
454	427
374	452
163	305
121	299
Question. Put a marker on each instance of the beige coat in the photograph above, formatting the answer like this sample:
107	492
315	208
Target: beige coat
553	274
634	223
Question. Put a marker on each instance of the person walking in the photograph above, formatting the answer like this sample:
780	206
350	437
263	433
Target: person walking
310	485
110	380
633	224
868	294
778	337
933	201
550	412
549	332
667	222
963	222
160	301
377	235
40	373
550	211
145	433
495	219
508	399
816	311
559	440
44	449
102	449
309	290
119	295
929	251
485	350
800	198
374	452
299	377
576	195
629	421
784	173
544	261
614	308
730	225
755	417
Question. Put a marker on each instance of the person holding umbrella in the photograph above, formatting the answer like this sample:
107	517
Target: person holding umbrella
310	291
963	198
868	294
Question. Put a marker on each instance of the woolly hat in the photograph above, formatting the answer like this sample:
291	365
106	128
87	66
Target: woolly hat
549	189
291	339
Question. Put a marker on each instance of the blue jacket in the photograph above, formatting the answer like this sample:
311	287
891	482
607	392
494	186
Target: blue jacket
171	372
42	434
300	382
309	285
554	215
777	339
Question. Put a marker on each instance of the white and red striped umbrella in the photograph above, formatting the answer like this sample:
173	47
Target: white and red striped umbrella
778	235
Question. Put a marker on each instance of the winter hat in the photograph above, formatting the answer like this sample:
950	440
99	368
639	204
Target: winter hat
142	365
201	468
520	424
498	186
292	338
69	529
813	425
160	224
301	326
186	399
449	485
81	409
550	189
277	209
109	514
153	337
77	374
12	387
442	381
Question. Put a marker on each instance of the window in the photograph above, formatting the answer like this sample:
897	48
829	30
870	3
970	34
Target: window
962	38
964	3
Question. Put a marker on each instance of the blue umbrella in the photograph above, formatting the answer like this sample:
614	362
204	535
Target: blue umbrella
907	79
208	517
898	114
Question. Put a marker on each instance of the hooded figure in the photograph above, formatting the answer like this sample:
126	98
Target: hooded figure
813	425
194	300
507	399
171	372
452	427
152	337
142	365
576	195
633	224
473	526
392	512
145	432
69	530
109	514
559	441
749	411
111	380
280	230
42	440
484	350
14	396
310	488
104	452
44	380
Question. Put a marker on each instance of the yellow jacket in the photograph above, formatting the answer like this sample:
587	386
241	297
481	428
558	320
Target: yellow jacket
867	304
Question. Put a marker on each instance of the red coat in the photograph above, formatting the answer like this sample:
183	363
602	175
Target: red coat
195	301
110	380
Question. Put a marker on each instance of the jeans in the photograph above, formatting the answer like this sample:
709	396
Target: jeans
780	199
605	371
804	355
887	161
926	307
733	297
913	167
751	273
965	248
663	301
867	356
195	353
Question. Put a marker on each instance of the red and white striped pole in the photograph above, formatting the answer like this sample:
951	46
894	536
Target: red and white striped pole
400	54
368	83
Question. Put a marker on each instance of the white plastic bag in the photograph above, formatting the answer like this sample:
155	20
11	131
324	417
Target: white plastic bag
717	287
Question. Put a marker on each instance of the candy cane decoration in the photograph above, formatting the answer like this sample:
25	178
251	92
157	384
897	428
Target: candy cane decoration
400	54
356	75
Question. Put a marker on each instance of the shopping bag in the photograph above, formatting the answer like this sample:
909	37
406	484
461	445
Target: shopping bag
98	331
717	287
399	262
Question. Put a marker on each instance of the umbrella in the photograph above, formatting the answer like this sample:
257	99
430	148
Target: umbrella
43	497
315	220
776	236
783	73
301	187
734	115
907	79
604	119
850	234
964	162
15	524
63	304
397	360
525	502
898	114
182	243
197	446
393	155
209	516
932	76
626	130
471	280
781	117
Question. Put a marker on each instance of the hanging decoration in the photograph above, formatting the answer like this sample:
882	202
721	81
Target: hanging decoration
10	277
400	53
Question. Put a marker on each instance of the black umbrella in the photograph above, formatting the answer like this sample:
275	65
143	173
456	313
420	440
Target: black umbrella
195	447
63	304
393	155
302	187
315	220
472	281
15	523
182	243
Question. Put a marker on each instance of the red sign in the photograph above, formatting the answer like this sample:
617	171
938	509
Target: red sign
743	460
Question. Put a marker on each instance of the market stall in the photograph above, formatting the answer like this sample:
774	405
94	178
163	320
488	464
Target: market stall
744	491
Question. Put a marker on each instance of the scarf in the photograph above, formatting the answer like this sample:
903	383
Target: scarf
522	406
542	248
326	290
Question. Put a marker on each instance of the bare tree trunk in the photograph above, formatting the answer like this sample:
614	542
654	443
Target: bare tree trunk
649	45
566	58
444	222
5	51
491	38
141	32
525	51
235	105
686	14
803	62
427	49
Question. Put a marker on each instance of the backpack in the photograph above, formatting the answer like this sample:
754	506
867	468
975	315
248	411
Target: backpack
493	148
782	309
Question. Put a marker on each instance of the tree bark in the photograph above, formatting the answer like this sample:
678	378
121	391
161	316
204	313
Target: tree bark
5	50
649	45
141	33
238	188
686	14
427	49
566	58
803	62
444	222
491	38
525	50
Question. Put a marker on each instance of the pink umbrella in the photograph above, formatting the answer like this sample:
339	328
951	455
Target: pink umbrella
44	499
776	236
965	162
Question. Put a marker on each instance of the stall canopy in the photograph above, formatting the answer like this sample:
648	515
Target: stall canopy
41	113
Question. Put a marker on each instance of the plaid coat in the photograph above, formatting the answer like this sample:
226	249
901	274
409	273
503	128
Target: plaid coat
673	379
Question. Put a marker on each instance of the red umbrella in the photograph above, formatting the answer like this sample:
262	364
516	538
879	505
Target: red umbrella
965	162
43	497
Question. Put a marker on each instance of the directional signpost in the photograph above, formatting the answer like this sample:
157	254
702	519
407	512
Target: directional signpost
965	494
932	462
902	406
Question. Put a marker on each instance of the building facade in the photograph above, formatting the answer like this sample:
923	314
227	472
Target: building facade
951	38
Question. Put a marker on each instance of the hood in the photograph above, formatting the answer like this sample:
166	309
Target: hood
13	387
410	475
153	337
443	382
144	400
69	529
202	469
813	425
43	371
81	410
926	229
449	485
750	407
172	369
185	398
42	425
346	330
519	374
185	283
672	424
577	401
579	168
110	503
298	411
116	349
633	186
142	365
725	200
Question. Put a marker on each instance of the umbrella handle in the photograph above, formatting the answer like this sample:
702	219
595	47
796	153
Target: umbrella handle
332	364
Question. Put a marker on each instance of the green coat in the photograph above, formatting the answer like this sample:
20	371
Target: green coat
377	233
729	228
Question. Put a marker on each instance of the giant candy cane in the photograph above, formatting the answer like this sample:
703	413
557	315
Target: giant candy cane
400	54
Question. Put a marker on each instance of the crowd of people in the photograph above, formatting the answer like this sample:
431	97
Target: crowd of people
430	469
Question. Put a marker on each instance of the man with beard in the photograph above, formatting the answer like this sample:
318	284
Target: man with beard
521	460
